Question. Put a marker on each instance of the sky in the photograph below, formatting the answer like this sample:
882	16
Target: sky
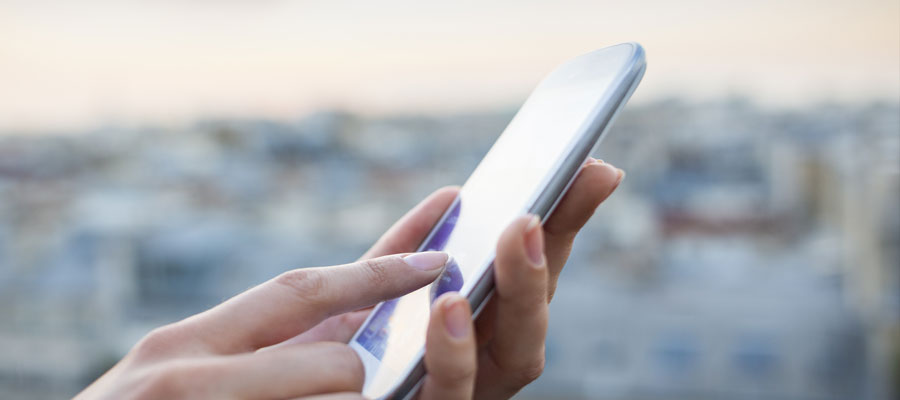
77	65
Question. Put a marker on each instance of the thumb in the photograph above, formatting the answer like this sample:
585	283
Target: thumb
299	299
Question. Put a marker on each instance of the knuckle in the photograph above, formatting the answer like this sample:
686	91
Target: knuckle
308	284
377	270
158	342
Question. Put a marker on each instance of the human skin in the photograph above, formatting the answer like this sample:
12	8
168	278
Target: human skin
286	338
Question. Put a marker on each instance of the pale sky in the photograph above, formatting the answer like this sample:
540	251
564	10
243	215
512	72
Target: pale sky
74	65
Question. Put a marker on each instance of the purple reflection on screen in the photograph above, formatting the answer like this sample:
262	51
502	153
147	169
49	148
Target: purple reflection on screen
451	280
374	337
439	239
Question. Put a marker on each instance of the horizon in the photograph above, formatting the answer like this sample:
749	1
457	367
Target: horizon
121	126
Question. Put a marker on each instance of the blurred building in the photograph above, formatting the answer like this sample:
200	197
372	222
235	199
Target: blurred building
750	253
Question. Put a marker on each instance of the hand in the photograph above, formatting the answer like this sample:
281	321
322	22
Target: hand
214	354
507	350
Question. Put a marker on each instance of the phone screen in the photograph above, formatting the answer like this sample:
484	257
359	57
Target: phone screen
504	186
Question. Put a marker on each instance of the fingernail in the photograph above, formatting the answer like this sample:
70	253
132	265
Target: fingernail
426	261
456	319
621	176
534	243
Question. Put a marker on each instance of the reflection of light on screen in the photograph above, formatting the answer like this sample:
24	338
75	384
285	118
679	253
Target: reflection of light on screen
503	186
407	339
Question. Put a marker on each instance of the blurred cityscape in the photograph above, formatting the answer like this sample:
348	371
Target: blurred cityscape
750	252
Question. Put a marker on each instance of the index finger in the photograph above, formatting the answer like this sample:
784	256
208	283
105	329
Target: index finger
298	300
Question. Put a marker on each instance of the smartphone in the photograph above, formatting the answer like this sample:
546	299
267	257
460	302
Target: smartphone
527	170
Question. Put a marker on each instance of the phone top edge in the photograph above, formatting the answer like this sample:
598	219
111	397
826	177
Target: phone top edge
633	74
592	132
